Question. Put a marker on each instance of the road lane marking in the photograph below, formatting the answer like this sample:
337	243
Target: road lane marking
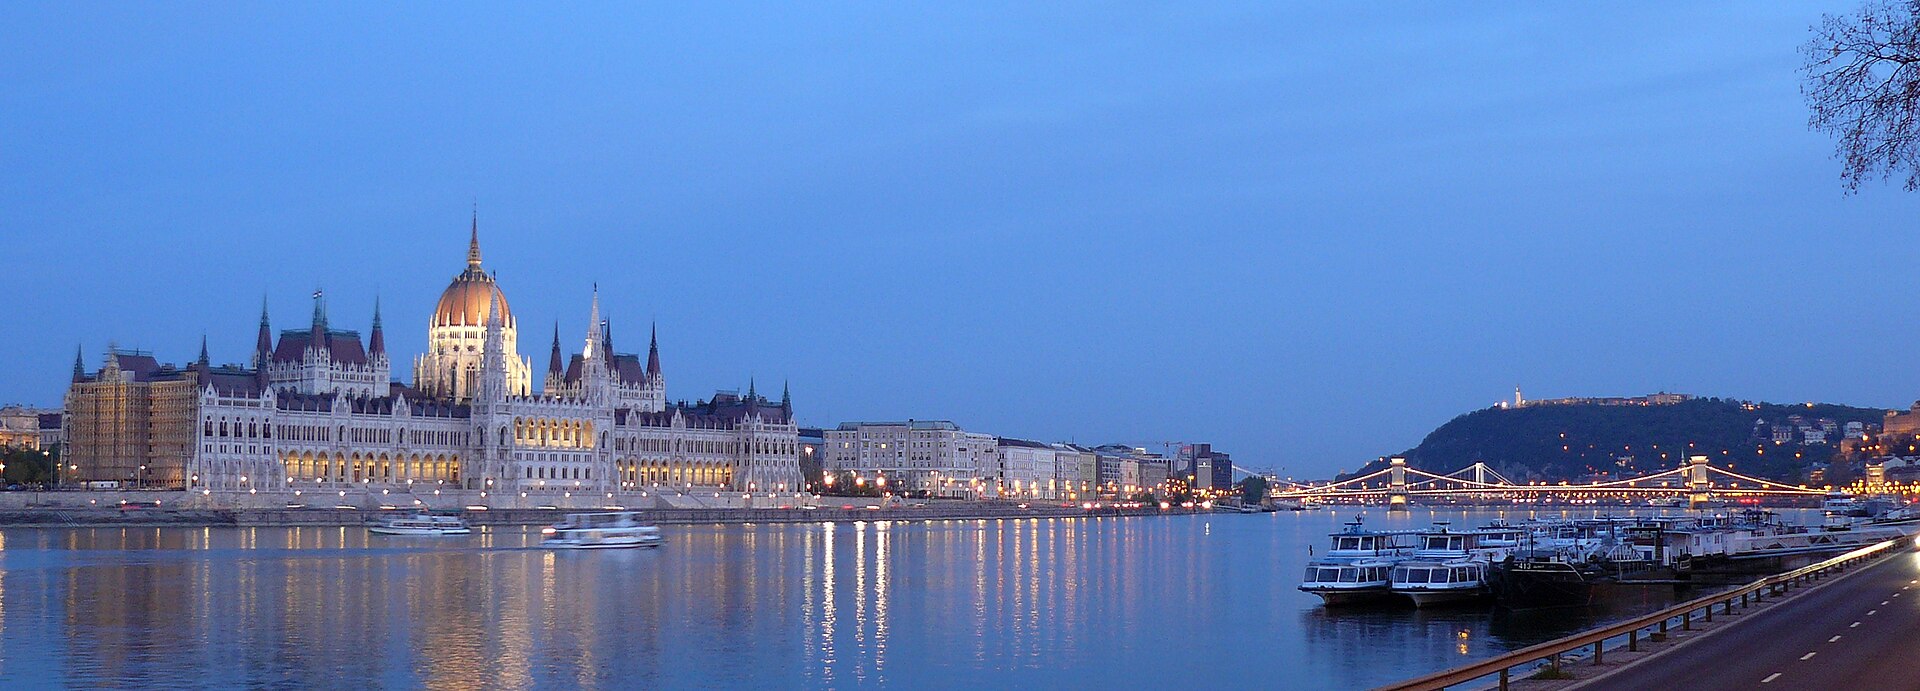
1834	639
1853	625
1806	657
1871	611
1770	677
1884	601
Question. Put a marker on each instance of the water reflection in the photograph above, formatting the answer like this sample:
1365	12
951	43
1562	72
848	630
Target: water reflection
1002	603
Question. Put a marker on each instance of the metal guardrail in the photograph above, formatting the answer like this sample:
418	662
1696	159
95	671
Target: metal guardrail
1597	638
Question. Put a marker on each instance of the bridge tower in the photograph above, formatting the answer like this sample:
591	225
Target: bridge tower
1480	472
1699	485
1397	484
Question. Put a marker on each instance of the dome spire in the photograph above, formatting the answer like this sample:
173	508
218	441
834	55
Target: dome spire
473	241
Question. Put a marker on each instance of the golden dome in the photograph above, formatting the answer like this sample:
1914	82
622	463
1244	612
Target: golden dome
465	301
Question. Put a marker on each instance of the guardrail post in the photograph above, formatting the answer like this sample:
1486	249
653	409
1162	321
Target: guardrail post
1709	611
1633	641
1686	620
1556	665
1599	647
1743	601
1503	679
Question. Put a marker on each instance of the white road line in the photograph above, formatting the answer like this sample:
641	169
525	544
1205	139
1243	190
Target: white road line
1871	611
1884	601
1770	677
1807	656
1853	625
1834	639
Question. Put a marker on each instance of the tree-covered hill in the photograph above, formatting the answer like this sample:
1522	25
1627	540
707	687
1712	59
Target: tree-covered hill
1566	442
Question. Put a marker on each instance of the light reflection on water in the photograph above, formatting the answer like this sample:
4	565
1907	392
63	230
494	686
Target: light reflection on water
1074	603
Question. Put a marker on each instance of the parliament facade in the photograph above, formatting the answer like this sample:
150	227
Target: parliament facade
317	411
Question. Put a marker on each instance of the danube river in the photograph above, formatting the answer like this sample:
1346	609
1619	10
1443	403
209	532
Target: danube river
1133	602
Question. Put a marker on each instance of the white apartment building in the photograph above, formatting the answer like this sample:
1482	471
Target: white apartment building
1028	470
1076	471
935	457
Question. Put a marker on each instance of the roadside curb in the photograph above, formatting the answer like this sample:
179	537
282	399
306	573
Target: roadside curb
1681	642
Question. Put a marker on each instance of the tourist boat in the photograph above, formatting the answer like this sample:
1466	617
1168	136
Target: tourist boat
1563	563
612	530
1357	566
420	524
1451	566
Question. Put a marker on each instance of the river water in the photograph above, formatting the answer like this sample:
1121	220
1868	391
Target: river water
1019	603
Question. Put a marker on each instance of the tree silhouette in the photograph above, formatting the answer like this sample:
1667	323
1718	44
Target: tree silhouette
1862	84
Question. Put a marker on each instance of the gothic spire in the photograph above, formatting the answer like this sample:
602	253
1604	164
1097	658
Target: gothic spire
376	341
79	364
473	241
319	328
204	361
263	345
554	367
653	352
786	398
752	396
593	326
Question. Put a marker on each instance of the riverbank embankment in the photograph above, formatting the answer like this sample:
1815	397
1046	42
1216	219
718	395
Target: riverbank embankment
324	517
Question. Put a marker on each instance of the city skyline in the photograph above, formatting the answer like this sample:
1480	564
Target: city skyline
1042	229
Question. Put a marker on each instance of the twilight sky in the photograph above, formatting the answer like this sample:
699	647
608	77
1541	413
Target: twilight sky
1308	235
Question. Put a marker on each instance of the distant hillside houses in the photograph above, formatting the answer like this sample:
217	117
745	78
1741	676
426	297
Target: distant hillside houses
1798	429
1660	398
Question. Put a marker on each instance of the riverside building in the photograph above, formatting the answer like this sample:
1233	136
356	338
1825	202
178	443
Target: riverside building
934	457
1028	469
317	411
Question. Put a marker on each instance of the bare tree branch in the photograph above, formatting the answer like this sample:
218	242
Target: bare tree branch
1862	85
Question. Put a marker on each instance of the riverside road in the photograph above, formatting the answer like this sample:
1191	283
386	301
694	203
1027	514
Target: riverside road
1858	633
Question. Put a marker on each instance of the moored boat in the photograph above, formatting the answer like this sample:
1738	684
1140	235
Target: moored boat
1357	566
1451	566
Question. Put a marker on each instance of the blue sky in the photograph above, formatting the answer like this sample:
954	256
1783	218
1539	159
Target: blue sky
1308	234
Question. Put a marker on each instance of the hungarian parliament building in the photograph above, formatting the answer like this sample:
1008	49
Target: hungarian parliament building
318	410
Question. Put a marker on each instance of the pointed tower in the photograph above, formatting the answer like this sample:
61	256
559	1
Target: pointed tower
204	362
263	345
594	382
653	353
606	338
489	412
786	400
493	362
79	364
317	334
556	368
377	340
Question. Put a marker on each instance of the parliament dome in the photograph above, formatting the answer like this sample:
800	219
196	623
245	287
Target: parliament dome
464	303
